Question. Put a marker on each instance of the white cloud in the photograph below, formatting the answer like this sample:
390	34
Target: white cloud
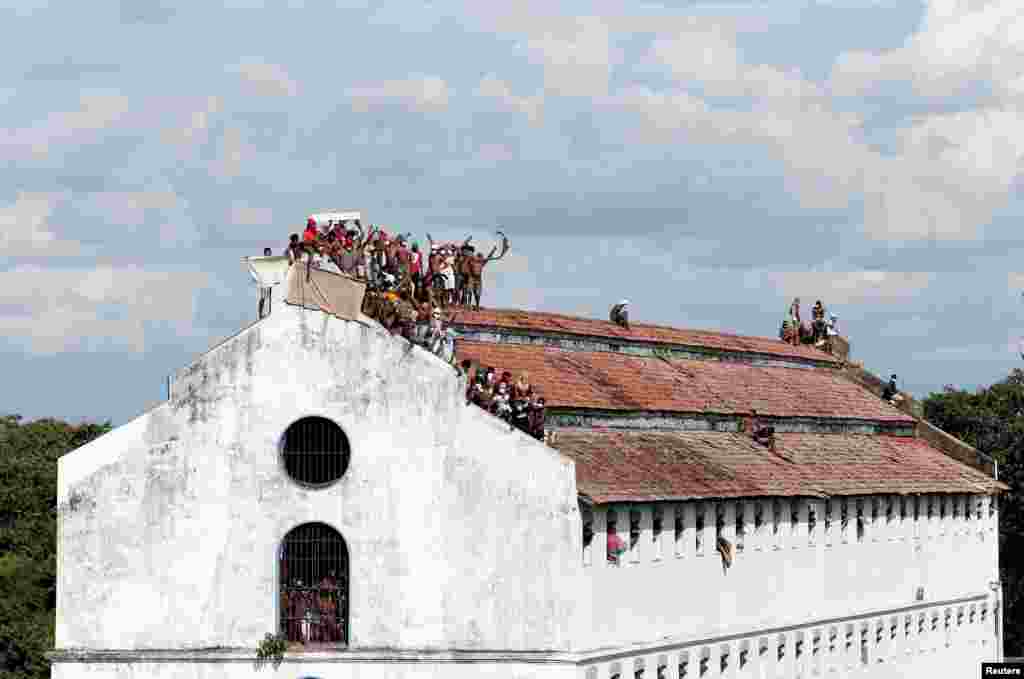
849	287
959	45
195	129
247	215
67	309
532	107
576	55
424	94
25	228
266	80
96	112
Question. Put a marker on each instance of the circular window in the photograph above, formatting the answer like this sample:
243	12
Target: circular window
315	451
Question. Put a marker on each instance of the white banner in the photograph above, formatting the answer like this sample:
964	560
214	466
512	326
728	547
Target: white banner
267	271
321	218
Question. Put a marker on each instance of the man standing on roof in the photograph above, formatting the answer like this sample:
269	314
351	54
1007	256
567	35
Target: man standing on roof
311	233
891	392
264	292
620	314
794	320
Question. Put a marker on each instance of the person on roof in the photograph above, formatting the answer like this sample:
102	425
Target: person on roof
818	323
891	392
311	232
794	321
264	292
294	249
761	433
537	416
620	314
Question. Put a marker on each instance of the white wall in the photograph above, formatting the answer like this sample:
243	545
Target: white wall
460	532
669	590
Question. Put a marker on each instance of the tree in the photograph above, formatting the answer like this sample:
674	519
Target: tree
992	420
28	537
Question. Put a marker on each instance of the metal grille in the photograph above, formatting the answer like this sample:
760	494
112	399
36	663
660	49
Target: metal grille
314	585
316	451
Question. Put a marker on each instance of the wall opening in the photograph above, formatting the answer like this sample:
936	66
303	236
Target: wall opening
315	451
314	584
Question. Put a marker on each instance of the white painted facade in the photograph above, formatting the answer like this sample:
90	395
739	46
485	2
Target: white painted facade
465	543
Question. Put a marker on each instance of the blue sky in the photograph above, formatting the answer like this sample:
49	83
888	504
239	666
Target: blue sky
706	160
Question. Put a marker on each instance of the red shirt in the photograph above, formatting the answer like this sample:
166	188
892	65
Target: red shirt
310	234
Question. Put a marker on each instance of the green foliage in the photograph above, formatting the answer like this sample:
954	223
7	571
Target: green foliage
992	420
28	533
271	649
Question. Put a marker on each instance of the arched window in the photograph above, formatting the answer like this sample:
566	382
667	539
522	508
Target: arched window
315	451
314	585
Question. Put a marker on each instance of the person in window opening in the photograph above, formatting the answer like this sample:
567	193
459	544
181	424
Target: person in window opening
264	292
616	546
891	392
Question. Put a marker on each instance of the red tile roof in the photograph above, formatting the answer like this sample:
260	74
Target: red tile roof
611	381
639	332
618	466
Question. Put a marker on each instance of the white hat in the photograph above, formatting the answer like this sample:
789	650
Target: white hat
624	302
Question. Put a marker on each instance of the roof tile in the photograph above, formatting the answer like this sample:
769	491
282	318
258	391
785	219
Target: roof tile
638	332
621	466
610	381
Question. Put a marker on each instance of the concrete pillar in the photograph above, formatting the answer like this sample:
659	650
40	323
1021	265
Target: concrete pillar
798	528
847	519
744	523
644	547
831	521
815	508
762	531
728	511
727	660
785	525
707	540
688	546
666	661
600	543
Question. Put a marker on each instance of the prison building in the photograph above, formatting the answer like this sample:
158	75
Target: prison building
322	480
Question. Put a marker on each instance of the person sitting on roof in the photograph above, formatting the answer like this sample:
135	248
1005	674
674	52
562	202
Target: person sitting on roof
522	390
620	314
294	249
500	405
891	392
311	232
537	416
760	433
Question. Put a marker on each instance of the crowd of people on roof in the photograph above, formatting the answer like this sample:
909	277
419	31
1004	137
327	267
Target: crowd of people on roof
418	298
817	332
512	400
449	275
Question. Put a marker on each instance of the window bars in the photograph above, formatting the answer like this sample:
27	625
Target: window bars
315	451
314	585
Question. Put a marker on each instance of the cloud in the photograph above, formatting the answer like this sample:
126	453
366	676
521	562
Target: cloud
849	287
575	54
68	70
97	112
957	46
67	309
195	129
130	207
247	215
425	94
531	107
25	228
266	80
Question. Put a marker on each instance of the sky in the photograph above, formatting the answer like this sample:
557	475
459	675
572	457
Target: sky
708	161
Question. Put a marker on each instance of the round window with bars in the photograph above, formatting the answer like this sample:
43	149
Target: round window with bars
315	451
